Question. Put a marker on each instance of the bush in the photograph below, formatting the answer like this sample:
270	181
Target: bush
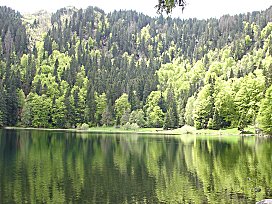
126	126
186	129
129	126
210	123
137	116
84	126
134	126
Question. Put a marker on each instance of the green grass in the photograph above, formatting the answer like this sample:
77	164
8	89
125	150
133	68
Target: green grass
121	129
180	131
228	131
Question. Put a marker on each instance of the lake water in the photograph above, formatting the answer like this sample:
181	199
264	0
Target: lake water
65	167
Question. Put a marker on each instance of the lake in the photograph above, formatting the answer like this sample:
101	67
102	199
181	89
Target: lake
66	167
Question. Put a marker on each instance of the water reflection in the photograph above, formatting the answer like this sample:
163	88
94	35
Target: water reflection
62	167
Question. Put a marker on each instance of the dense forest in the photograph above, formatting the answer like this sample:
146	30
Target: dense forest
77	67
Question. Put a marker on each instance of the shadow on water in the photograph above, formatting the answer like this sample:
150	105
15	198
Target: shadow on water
62	167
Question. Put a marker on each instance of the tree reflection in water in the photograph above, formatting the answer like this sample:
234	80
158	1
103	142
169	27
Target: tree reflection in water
62	167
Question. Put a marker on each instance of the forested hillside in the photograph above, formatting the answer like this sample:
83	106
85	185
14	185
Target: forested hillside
122	68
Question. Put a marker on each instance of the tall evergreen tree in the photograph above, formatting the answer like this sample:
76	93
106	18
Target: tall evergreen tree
171	118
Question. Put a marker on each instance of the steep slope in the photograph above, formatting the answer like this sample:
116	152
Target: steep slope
86	66
36	25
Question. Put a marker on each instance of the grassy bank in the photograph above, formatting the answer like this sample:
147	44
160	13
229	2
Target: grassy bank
180	131
107	130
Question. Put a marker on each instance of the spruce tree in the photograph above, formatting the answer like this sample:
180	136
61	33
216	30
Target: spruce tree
171	119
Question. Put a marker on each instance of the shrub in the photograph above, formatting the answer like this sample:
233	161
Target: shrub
84	126
134	126
127	126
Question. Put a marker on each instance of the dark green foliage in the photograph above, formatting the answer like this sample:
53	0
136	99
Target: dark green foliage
3	111
171	118
91	106
13	33
107	118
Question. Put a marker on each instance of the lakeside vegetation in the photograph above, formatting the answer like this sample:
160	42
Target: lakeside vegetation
124	68
121	107
185	130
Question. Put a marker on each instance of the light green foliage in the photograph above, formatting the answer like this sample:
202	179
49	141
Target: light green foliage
78	98
228	63
214	71
224	102
48	85
202	107
40	109
63	62
159	47
36	25
91	42
155	117
266	36
130	126
84	126
125	117
137	117
265	113
153	99
101	105
27	114
177	77
24	65
197	72
63	87
267	66
121	106
145	35
267	30
154	113
248	40
189	120
21	98
81	79
247	63
126	126
1	119
59	112
40	49
248	98
174	74
134	126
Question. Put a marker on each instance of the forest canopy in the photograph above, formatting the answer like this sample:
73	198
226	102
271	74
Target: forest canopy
79	67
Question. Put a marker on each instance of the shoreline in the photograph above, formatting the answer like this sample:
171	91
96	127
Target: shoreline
185	130
110	130
156	131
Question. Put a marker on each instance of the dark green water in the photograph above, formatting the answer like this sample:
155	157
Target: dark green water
59	167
